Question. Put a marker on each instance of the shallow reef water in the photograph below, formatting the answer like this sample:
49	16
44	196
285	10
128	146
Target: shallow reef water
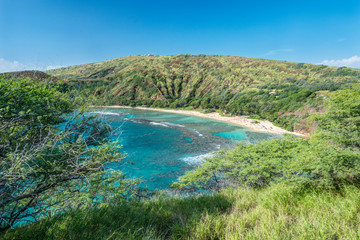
161	146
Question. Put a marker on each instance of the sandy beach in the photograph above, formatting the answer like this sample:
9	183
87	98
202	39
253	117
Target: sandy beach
244	121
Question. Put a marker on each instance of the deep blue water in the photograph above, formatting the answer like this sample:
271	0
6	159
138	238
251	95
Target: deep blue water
163	146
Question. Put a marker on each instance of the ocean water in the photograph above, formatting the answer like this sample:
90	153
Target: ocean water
161	147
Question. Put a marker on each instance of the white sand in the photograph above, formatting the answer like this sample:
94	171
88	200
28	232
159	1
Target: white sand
255	125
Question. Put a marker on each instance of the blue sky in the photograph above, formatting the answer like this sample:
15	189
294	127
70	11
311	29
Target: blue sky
50	33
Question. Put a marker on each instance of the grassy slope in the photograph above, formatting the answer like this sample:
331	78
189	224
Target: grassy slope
279	212
240	85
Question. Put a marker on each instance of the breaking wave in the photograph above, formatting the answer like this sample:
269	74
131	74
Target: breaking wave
166	124
200	135
159	124
195	160
105	113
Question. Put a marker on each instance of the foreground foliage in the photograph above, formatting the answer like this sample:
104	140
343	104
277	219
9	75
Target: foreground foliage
308	164
278	212
50	160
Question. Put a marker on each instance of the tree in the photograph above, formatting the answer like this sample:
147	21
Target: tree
341	122
52	156
329	159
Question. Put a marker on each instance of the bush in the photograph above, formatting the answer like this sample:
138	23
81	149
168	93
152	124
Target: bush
305	163
52	157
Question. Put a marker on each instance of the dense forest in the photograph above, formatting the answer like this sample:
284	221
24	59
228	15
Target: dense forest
285	188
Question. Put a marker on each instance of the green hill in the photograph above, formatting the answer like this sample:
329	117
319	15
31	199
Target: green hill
285	188
282	92
33	74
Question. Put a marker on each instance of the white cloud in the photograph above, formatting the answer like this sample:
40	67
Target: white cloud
353	62
10	66
276	51
54	67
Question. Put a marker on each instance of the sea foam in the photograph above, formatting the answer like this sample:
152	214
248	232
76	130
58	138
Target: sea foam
195	160
106	113
166	124
159	124
200	135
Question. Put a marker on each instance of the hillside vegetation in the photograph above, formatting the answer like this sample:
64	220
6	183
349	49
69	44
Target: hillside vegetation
282	92
285	188
30	74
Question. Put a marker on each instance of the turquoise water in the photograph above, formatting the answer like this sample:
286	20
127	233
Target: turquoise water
163	146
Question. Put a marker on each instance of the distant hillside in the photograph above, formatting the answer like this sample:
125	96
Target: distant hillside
31	74
282	92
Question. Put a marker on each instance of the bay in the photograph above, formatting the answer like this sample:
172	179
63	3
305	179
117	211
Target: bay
161	146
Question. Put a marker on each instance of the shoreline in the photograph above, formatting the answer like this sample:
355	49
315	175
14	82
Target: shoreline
244	121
